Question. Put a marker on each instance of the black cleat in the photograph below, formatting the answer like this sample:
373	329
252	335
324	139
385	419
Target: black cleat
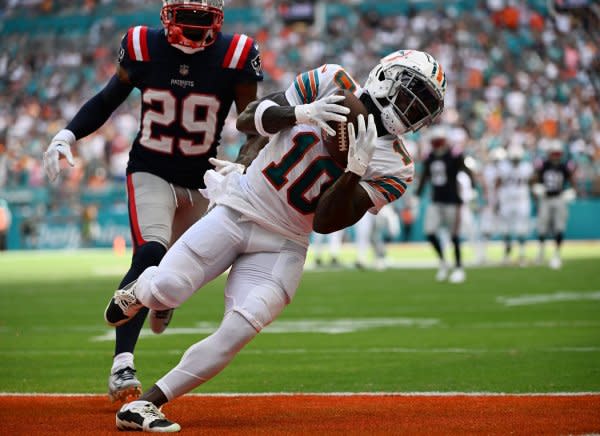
122	306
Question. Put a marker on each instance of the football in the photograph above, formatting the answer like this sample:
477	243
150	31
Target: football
337	146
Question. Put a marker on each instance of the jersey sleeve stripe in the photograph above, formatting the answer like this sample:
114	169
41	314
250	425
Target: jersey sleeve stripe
140	45
144	43
230	50
314	84
245	53
301	89
130	50
391	187
238	51
310	96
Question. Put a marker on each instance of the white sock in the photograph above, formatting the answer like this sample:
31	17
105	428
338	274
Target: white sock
122	360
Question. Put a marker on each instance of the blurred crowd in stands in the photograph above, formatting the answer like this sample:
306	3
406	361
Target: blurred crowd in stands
515	74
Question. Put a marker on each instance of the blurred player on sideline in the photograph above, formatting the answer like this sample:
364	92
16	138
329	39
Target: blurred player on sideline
489	216
513	183
550	188
441	169
189	75
333	245
262	221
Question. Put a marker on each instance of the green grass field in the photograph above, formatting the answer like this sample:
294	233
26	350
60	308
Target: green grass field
507	329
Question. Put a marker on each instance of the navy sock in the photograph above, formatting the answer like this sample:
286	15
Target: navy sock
456	242
145	256
435	241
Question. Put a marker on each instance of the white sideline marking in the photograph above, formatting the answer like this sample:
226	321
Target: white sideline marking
314	351
333	394
332	327
528	299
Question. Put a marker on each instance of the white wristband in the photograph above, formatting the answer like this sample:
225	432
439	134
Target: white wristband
258	114
65	135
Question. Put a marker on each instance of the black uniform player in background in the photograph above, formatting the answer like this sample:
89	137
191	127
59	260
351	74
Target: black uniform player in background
189	74
550	188
441	168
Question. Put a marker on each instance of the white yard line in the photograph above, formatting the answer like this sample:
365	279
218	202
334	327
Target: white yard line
559	296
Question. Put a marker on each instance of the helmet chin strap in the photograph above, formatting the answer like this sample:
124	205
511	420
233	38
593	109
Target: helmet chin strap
391	122
385	125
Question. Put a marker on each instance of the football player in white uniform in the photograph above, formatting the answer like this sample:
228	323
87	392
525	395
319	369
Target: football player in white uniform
514	178
262	220
489	218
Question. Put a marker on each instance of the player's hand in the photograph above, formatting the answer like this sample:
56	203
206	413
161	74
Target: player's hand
321	111
539	190
569	195
225	167
59	148
361	146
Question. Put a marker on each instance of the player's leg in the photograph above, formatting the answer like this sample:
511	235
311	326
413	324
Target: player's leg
522	228
318	241
335	246
452	218
431	226
191	206
151	210
543	227
560	215
259	286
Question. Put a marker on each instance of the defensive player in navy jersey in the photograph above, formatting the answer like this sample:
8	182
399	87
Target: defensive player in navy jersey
189	74
550	187
441	168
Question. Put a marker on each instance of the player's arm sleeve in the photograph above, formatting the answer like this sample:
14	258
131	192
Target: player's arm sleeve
315	84
94	113
342	204
384	190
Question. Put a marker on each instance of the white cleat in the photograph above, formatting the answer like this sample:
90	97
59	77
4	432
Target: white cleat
159	320
457	276
442	272
555	262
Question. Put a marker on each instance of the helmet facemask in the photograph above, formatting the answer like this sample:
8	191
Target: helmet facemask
406	98
192	25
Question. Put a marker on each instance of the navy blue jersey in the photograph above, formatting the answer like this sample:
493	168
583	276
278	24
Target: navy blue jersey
442	170
185	100
554	176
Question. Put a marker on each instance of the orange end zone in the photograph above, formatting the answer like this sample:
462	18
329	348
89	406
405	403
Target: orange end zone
318	414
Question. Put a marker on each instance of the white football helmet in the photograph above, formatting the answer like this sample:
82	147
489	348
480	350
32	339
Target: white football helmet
192	24
408	87
515	153
498	154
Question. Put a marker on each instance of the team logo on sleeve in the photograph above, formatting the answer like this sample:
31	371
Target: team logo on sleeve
256	64
184	70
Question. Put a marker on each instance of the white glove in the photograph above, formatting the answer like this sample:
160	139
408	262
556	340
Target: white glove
539	190
59	147
362	146
225	167
321	111
568	195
